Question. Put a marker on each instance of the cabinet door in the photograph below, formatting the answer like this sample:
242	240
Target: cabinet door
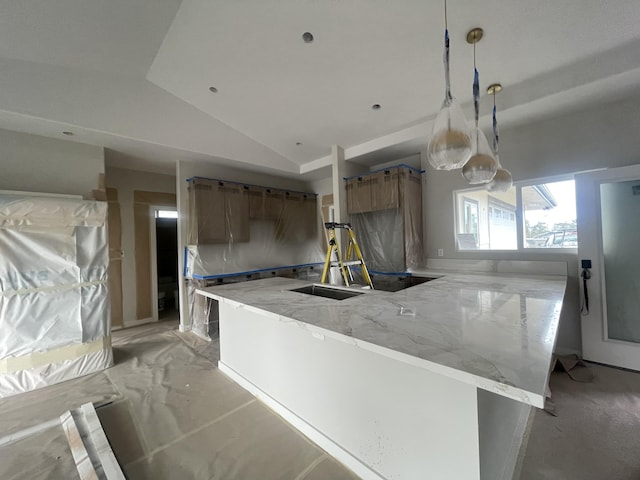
273	204
207	213
256	202
299	220
290	227
359	195
384	190
237	213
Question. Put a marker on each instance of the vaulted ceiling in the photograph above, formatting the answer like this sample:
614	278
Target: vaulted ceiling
135	75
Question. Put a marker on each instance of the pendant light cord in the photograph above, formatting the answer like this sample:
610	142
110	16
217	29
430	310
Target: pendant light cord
476	94
476	87
495	127
447	81
446	24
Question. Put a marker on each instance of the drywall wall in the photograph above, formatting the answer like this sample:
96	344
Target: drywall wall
596	137
126	182
31	163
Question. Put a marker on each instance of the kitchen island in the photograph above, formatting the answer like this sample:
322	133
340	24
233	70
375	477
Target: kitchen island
434	381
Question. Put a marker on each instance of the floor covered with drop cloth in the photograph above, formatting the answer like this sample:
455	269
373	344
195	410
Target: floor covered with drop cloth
170	414
596	433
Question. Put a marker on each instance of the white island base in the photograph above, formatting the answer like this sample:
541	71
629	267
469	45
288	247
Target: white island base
382	417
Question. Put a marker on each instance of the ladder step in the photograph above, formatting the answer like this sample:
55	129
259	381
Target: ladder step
346	264
355	262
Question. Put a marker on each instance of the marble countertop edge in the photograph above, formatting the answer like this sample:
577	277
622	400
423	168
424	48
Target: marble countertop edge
484	383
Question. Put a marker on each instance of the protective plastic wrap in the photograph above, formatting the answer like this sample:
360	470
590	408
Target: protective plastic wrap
203	311
385	211
237	228
238	232
54	301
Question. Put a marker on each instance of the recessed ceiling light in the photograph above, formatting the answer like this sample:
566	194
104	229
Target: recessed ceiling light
376	106
69	134
213	89
307	37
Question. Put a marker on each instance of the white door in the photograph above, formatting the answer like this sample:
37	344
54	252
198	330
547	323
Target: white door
608	211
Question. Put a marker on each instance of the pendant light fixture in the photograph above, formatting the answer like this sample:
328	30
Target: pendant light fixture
450	143
502	181
481	167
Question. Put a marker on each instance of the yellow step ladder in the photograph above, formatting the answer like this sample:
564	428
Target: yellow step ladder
348	262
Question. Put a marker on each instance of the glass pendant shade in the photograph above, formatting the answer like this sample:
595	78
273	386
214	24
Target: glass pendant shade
450	144
482	166
502	181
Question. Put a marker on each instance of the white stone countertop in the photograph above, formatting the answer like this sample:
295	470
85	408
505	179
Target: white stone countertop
495	331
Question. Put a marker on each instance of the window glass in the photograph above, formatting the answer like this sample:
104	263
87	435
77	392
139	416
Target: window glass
490	220
486	220
549	211
166	214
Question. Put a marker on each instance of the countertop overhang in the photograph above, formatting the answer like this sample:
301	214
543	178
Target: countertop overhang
495	331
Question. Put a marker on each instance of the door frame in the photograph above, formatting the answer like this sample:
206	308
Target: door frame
153	253
596	346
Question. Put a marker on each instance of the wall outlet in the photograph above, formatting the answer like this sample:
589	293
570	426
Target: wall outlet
441	252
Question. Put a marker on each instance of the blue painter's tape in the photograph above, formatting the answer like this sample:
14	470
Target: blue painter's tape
395	274
250	272
184	263
250	185
401	165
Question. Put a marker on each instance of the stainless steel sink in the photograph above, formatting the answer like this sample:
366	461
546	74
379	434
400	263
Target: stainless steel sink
327	292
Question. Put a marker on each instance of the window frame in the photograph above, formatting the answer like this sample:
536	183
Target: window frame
519	220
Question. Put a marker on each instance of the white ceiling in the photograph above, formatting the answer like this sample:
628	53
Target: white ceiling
133	75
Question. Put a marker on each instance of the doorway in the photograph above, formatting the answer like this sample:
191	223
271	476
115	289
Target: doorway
164	262
609	234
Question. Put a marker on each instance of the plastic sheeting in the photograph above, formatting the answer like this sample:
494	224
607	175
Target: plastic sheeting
385	211
53	291
203	311
168	413
241	231
236	227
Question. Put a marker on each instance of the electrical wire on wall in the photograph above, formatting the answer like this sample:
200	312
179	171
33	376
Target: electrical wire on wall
586	275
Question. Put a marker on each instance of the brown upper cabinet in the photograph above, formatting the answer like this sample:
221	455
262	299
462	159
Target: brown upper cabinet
218	212
221	212
395	188
382	190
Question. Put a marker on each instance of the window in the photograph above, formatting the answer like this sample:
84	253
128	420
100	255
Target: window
545	213
550	215
166	214
487	221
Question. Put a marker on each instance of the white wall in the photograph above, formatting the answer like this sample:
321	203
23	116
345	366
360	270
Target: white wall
32	163
596	137
126	181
